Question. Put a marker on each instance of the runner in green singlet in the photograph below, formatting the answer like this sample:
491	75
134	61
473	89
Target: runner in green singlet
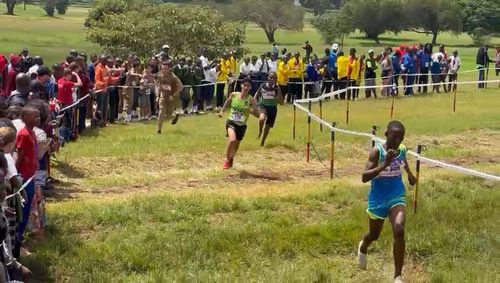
242	104
268	96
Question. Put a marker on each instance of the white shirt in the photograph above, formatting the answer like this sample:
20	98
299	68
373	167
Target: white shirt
435	56
19	124
204	61
454	64
260	64
246	69
273	65
210	75
11	167
33	70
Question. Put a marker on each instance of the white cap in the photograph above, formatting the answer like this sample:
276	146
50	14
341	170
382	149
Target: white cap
335	46
165	46
371	51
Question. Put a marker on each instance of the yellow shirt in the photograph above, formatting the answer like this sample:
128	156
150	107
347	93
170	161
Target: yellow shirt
353	68
342	64
223	72
282	73
295	69
232	62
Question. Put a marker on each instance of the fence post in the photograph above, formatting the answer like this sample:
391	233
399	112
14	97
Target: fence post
308	145
392	105
415	191
347	113
454	96
294	120
332	149
320	114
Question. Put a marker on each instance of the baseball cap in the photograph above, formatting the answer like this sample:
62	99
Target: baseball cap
165	46
371	51
335	46
43	70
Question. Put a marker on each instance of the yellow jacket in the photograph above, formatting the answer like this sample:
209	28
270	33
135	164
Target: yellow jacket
353	68
342	65
223	72
295	69
282	73
232	62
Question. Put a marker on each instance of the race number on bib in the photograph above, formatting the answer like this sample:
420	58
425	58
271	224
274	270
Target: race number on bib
238	116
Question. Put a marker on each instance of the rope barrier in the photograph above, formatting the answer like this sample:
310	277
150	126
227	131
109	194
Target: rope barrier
25	184
377	139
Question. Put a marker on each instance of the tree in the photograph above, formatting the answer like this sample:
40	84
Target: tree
186	29
333	26
320	6
62	6
50	7
435	16
481	18
105	7
374	17
11	4
269	15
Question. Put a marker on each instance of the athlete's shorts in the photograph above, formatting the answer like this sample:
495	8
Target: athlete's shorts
271	113
167	107
238	129
381	209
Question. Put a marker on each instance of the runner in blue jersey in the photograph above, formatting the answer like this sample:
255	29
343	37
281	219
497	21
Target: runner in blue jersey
387	194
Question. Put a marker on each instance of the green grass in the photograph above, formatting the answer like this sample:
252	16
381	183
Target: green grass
136	207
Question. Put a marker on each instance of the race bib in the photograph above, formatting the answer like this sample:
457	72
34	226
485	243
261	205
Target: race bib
166	87
427	64
268	94
238	116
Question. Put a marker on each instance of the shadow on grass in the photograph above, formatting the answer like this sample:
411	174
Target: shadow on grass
45	252
63	191
270	176
68	170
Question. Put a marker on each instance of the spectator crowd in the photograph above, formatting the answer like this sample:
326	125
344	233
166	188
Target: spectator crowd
43	107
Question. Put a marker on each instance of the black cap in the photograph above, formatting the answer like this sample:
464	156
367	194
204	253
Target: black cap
43	70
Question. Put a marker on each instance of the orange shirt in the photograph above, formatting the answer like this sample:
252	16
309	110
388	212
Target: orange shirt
101	77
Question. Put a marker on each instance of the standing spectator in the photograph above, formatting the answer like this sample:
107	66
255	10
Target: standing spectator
312	88
208	89
445	67
326	73
275	50
26	163
272	64
497	61
254	75
424	60
19	96
353	74
283	53
65	87
482	61
396	69
370	75
10	81
246	69
295	76
409	70
386	66
283	77
436	73
263	68
26	61
84	91
102	77
147	85
199	76
455	63
91	67
38	86
222	76
37	62
131	84
332	65
342	69
309	50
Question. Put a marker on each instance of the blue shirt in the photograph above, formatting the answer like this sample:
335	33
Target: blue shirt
436	68
91	73
424	60
409	64
312	74
389	183
332	62
396	64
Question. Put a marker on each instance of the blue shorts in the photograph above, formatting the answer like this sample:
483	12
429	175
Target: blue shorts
381	209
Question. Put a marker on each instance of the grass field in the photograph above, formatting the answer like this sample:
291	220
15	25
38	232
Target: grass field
136	207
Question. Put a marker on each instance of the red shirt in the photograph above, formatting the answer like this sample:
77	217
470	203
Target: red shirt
26	141
65	91
10	81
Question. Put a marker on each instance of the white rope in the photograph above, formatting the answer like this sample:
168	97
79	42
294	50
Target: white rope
377	139
20	189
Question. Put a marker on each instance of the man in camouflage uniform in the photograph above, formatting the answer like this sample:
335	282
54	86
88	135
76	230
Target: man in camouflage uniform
168	88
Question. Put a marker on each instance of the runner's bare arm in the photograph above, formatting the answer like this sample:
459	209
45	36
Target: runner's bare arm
411	178
228	102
